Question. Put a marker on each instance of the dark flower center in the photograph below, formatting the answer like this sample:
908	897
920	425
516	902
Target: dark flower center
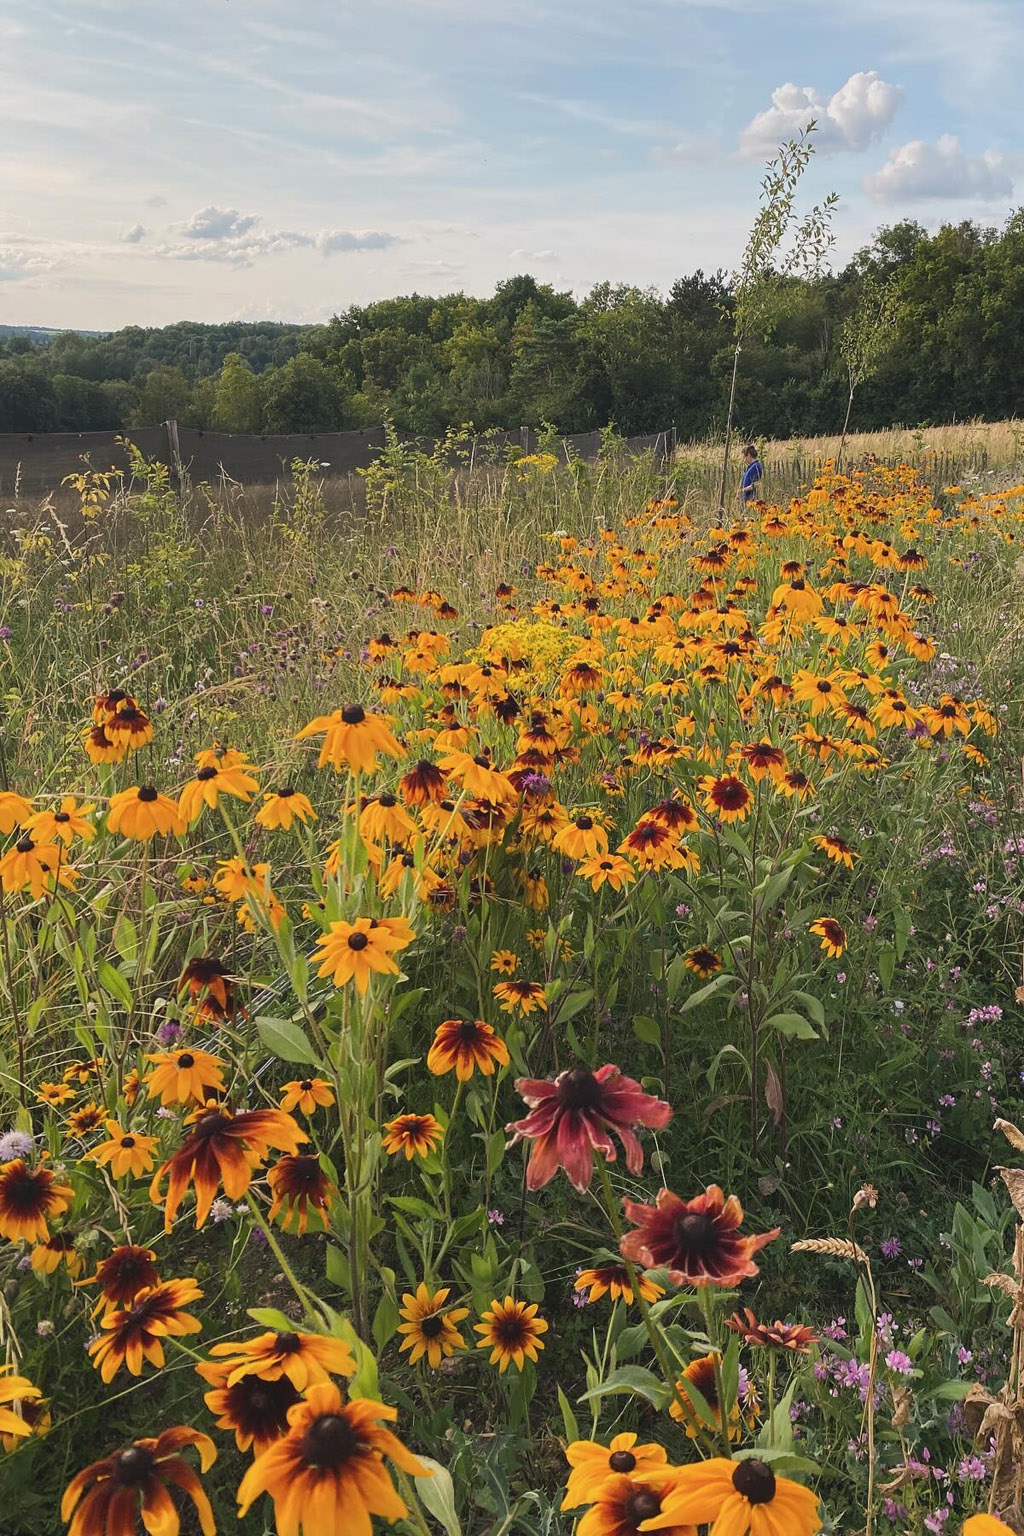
206	773
61	816
329	1442
285	792
468	1030
482	762
353	714
306	1085
186	1060
147	794
432	1327
287	1344
579	1089
511	1332
133	1466
642	1506
127	1141
695	1232
584	823
387	801
357	941
622	1461
26	845
755	1481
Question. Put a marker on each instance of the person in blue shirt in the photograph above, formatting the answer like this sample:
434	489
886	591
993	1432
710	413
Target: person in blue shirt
753	474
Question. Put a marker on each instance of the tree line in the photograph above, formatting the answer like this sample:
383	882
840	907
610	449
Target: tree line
953	346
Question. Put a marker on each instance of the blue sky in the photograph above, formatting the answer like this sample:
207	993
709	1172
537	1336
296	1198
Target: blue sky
282	159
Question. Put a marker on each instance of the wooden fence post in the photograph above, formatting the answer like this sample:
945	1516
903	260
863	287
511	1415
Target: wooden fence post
173	450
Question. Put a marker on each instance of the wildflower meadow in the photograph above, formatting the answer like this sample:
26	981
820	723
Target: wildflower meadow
511	1006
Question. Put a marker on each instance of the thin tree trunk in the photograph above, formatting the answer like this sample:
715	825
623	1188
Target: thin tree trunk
728	426
846	425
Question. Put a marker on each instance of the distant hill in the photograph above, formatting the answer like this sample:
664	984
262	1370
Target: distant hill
42	335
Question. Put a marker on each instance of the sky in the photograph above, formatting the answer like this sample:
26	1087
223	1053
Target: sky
283	159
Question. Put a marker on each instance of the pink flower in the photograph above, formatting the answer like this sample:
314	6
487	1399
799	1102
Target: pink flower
570	1119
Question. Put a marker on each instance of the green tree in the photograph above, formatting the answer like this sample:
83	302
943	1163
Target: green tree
238	397
163	395
303	396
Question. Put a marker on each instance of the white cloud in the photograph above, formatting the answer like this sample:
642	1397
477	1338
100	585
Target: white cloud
134	235
328	241
545	255
225	235
16	265
919	170
218	224
858	112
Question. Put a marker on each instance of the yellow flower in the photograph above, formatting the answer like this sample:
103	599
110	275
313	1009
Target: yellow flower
429	1327
125	1152
353	951
141	812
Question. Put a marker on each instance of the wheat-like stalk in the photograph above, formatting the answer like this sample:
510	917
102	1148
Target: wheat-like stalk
835	1247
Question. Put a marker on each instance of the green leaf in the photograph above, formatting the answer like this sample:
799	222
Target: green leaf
437	1495
114	984
646	1030
793	1025
270	1317
286	1040
813	1006
574	1005
385	1320
633	1381
703	993
126	939
886	964
572	1430
412	1205
901	928
727	1050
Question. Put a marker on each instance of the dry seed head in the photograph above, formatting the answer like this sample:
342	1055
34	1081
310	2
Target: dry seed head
834	1247
867	1195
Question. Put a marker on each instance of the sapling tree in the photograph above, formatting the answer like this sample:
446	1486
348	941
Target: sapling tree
781	245
865	336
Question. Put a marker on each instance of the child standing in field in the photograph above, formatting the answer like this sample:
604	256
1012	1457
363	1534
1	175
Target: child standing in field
753	474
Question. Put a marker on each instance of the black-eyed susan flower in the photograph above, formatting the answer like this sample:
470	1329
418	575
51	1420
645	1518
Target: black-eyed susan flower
535	888
793	1337
298	1182
572	1117
726	797
305	1359
124	1272
632	1506
703	961
98	746
30	1196
353	738
584	837
701	1374
429	1325
142	813
478	776
255	1409
355	951
15	811
181	1077
55	1094
130	728
88	1117
607	869
735	1497
126	1152
511	1330
423	785
31	865
63	823
58	1249
522	996
327	1476
212	780
505	962
650	845
307	1094
15	1390
23	1411
592	1464
831	934
836	849
107	1498
222	1148
697	1241
612	1279
207	978
135	1333
281	807
795	785
466	1045
383	818
413	1135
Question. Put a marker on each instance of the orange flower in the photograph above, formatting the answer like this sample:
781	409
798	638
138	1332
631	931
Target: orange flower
222	1149
466	1045
134	1333
28	1196
108	1496
181	1076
